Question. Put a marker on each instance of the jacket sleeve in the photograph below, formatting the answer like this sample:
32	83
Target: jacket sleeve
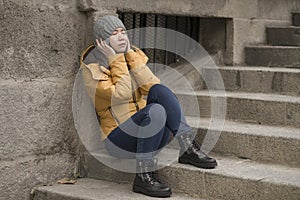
114	83
136	60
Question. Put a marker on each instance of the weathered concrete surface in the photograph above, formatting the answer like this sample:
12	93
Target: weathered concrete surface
296	18
19	175
235	78
273	56
95	169
283	36
38	140
36	118
257	79
227	9
268	109
191	7
272	144
249	31
92	189
40	44
248	26
40	39
277	9
230	179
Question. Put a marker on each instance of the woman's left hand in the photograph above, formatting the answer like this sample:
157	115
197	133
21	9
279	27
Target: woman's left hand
104	48
128	45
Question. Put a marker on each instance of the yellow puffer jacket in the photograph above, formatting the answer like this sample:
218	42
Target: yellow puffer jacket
111	90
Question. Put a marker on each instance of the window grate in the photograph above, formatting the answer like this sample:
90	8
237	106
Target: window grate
187	25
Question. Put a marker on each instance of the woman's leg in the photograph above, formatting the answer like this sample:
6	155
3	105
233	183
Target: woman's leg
141	143
139	140
190	152
175	120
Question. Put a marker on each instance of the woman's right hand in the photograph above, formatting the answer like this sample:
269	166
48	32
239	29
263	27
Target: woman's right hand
105	48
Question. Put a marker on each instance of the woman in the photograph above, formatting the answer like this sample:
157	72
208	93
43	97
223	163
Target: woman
132	126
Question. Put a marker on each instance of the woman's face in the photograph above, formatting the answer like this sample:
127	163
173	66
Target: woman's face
119	40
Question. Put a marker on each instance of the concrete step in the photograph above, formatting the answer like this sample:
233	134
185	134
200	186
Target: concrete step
269	144
232	179
93	189
259	108
273	56
256	79
296	18
283	36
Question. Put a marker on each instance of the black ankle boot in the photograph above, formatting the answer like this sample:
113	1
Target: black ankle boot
190	153
146	182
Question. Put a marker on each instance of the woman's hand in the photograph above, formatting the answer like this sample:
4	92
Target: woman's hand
104	48
128	45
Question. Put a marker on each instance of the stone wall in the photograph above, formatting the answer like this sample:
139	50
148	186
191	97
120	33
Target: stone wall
247	20
251	31
39	48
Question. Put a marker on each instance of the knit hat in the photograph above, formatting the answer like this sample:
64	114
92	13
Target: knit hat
104	26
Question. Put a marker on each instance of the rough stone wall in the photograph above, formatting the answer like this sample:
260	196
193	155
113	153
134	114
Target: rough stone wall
252	30
40	41
249	17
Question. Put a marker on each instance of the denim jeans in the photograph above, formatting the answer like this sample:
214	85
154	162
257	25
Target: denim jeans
148	130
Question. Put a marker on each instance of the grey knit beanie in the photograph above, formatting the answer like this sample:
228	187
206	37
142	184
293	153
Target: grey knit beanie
104	26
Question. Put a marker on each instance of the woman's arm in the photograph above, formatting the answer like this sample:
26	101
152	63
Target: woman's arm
136	60
106	84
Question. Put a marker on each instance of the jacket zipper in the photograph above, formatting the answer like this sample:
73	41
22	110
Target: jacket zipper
134	99
113	115
133	93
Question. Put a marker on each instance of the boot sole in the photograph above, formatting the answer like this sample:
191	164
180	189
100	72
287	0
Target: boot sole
137	189
196	164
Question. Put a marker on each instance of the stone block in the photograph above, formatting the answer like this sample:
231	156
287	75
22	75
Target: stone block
232	179
257	79
20	175
184	181
36	118
291	83
215	8
283	36
88	188
276	145
276	10
259	108
96	169
249	31
40	39
220	185
273	56
261	112
296	18
293	114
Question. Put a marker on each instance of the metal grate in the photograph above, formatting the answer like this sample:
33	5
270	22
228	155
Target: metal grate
186	25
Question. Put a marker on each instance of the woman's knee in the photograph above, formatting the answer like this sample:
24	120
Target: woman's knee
161	88
157	112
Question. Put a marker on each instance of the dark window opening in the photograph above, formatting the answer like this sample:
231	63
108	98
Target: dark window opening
189	26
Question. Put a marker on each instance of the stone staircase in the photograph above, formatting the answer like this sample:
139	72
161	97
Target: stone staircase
258	151
282	49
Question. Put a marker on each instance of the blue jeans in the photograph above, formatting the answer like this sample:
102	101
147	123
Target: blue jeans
148	130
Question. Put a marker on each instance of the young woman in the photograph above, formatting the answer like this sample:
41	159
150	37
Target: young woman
132	126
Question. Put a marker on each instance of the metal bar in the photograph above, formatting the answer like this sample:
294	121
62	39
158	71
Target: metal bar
176	29
166	43
133	28
186	32
155	40
198	29
141	25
